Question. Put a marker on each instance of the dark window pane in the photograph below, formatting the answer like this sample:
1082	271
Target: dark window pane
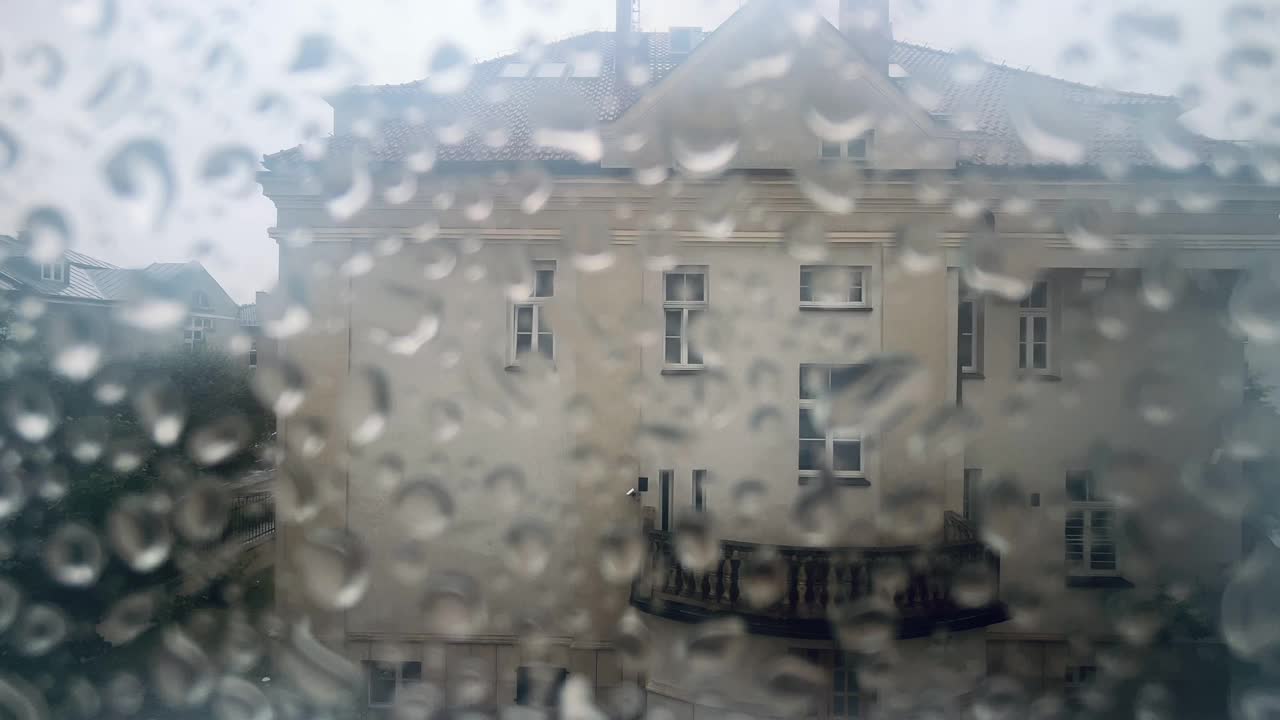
673	323
813	381
1022	330
545	283
843	376
806	293
966	351
524	318
695	357
808	428
848	455
695	286
812	454
1039	356
411	671
382	683
672	354
830	150
1077	485
966	317
857	149
1040	328
524	342
675	286
1039	297
546	344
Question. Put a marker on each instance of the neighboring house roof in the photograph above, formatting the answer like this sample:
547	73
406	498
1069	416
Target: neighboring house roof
249	315
1111	121
88	279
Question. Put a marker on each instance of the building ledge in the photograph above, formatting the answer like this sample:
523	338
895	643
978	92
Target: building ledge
972	376
836	308
860	482
683	370
1097	581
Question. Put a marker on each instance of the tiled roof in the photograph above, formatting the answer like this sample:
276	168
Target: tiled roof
979	98
248	315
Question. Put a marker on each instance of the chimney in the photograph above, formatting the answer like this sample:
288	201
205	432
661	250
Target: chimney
866	24
622	42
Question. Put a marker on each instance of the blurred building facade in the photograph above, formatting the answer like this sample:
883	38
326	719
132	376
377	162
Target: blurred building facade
889	376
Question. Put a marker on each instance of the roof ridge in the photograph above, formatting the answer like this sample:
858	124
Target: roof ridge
1027	71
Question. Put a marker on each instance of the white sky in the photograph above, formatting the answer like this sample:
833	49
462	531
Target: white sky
195	104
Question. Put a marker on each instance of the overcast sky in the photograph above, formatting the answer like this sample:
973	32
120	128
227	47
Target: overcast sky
208	65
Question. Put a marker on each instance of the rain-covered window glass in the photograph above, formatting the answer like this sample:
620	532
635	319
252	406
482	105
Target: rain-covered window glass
969	334
1089	527
684	302
1033	328
531	326
823	448
832	286
845	697
699	490
54	271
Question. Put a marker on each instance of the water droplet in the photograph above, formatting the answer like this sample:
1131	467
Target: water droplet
564	121
832	187
1134	32
1255	306
919	247
532	187
696	546
10	150
1000	266
1259	703
633	641
140	176
704	151
352	196
281	386
590	244
1047	123
1163	278
239	699
128	617
181	673
1086	225
40	629
112	384
20	701
714	646
793	681
138	531
622	554
1251	605
528	547
162	410
453	605
867	626
876	396
202	512
445	418
232	169
73	555
763	578
10	603
807	240
125	694
1220	487
218	440
973	585
425	508
372	403
945	433
448	70
334	566
31	410
1157	398
837	115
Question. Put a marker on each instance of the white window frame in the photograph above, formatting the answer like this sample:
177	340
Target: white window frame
858	276
685	307
197	332
399	666
810	405
253	353
1089	536
1027	316
538	306
846	150
200	300
972	339
56	272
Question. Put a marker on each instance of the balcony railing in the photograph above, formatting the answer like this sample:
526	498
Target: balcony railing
954	584
253	510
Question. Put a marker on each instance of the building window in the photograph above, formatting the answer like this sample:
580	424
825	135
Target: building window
855	149
825	448
972	479
199	299
969	334
700	490
253	353
833	286
1074	681
684	300
54	271
532	329
1089	529
845	697
195	336
384	679
1033	329
665	478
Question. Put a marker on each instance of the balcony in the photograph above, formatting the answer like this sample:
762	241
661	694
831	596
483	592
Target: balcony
953	584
